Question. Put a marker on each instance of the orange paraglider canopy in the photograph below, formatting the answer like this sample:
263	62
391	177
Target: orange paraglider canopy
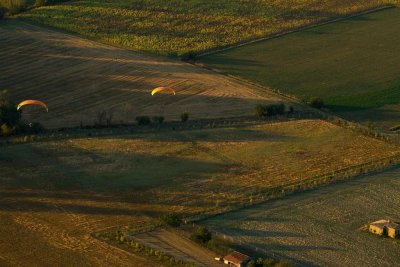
159	89
32	102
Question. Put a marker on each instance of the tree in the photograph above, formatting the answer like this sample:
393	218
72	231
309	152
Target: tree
270	110
8	113
2	13
158	119
184	117
260	111
170	219
143	120
316	102
201	235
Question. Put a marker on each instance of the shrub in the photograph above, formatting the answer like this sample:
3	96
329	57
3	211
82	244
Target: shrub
316	102
280	109
268	262
201	235
6	130
184	117
101	117
275	109
170	219
39	3
284	264
143	120
8	113
270	110
190	56
158	119
260	111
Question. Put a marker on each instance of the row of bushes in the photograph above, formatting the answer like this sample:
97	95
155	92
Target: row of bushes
272	110
280	109
146	120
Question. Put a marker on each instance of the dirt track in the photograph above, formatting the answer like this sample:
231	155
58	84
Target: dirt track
180	247
78	78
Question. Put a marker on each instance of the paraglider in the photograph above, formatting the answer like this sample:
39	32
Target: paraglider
159	89
32	102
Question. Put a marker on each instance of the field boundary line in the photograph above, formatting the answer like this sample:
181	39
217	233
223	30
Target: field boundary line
283	33
311	183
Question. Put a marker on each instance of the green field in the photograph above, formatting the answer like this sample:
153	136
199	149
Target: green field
322	227
54	194
353	65
177	27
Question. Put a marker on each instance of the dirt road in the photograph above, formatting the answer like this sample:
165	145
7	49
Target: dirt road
178	246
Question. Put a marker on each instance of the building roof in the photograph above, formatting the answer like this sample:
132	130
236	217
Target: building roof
236	257
385	223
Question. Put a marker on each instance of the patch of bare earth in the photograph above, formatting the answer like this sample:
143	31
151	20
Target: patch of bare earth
177	245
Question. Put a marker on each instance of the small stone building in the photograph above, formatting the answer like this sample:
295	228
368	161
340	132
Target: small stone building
385	227
236	259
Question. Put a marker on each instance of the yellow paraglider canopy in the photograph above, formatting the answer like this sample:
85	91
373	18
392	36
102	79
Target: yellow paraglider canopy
32	102
162	88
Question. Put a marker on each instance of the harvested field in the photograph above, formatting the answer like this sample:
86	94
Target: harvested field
321	227
79	78
176	245
176	27
351	64
54	194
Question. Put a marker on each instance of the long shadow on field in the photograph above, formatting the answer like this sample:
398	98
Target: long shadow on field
262	233
103	170
281	248
40	206
81	181
214	135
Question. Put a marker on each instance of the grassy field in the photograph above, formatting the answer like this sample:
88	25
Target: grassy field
177	27
352	65
78	79
54	194
322	227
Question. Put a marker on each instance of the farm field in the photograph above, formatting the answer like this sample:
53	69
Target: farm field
54	194
352	65
78	79
178	27
322	227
